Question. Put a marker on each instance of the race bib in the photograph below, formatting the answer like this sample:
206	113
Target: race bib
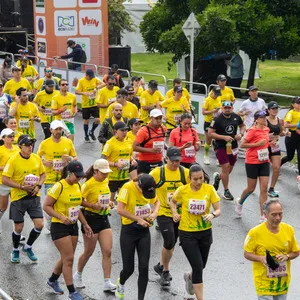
170	197
127	163
275	148
235	151
263	154
159	145
47	112
143	211
177	118
281	271
2	113
190	151
103	201
31	179
197	207
74	213
110	100
66	114
24	123
58	164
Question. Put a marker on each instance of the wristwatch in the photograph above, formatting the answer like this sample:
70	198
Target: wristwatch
214	214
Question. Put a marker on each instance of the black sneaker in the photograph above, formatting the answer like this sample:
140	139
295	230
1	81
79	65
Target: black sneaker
91	134
216	177
165	278
87	139
158	269
227	195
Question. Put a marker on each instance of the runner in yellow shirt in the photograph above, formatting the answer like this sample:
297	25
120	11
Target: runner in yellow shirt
40	84
11	123
138	85
178	82
28	71
25	112
226	92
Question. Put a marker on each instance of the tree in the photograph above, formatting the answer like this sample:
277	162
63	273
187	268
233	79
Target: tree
254	26
118	21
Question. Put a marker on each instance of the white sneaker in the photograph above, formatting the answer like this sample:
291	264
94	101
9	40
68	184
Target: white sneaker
238	208
109	287
78	281
206	160
262	219
188	284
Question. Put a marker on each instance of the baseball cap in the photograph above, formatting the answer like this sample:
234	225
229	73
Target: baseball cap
260	114
227	103
173	153
15	68
5	132
152	84
49	82
76	167
178	89
217	91
102	165
221	77
134	121
253	88
25	140
56	124
129	89
155	113
114	67
148	186
90	73
120	126
135	78
273	104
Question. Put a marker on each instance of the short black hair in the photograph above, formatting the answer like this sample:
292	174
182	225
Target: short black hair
70	43
110	77
20	90
122	92
59	83
177	80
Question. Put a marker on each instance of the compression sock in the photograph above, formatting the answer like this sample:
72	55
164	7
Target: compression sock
34	234
206	149
86	129
244	199
95	125
16	239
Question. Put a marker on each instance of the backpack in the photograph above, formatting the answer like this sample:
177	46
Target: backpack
55	81
83	57
162	178
62	188
150	137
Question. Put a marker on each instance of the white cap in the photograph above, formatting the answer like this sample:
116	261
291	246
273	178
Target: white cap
155	113
102	165
5	132
56	124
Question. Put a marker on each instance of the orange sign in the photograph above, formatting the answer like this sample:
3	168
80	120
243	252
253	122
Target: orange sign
84	21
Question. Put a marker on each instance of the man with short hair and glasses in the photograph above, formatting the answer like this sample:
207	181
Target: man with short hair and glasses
40	84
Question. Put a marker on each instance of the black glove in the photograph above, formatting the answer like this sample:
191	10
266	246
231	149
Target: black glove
272	263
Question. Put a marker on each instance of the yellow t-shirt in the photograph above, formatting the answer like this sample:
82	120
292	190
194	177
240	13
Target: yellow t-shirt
24	117
147	100
11	86
210	103
185	93
23	171
5	154
114	151
130	137
94	191
129	111
174	110
292	117
85	85
139	91
260	239
226	94
38	85
166	191
53	151
43	99
104	96
194	205
30	72
68	199
135	202
58	101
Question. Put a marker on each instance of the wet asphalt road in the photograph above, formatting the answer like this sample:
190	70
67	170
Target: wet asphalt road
227	276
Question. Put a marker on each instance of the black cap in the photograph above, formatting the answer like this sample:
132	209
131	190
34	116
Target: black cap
135	78
120	126
25	140
50	82
76	167
178	89
253	88
134	121
273	104
173	153
153	84
221	77
148	186
260	114
129	89
114	67
90	73
217	91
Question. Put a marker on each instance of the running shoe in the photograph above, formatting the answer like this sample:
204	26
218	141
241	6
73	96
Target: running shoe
206	160
158	269
75	296
109	287
92	136
119	290
238	208
15	256
188	284
165	278
227	195
87	139
78	282
29	253
216	177
55	287
272	193
262	219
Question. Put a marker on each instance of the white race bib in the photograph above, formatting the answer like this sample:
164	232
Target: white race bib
24	123
66	114
235	151
47	112
281	271
31	179
159	145
263	154
275	148
127	163
58	164
110	100
74	213
177	118
2	113
103	201
196	207
190	151
143	211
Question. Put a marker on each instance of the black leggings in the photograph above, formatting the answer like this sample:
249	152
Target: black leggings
134	236
292	143
195	246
